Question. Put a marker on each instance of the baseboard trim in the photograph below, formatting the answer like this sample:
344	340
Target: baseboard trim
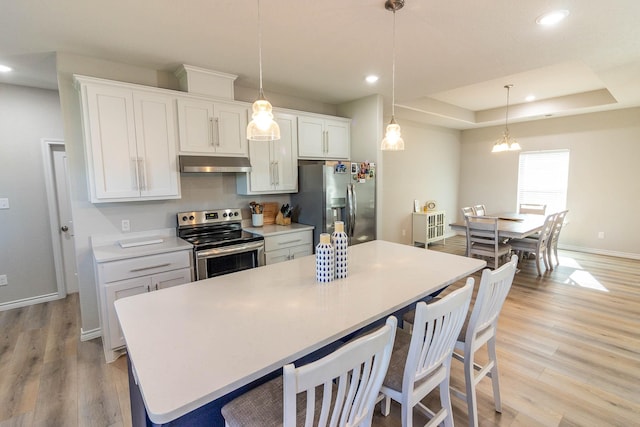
90	335
617	254
28	301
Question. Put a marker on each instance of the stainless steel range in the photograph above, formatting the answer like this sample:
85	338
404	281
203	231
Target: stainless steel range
220	246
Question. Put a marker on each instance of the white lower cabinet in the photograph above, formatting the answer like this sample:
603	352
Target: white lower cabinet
284	247
128	277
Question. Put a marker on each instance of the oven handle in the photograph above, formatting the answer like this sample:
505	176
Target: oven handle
229	250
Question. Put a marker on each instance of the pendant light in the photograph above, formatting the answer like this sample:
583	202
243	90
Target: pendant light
507	142
392	139
262	127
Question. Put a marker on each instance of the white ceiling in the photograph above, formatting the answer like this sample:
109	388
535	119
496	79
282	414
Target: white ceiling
452	58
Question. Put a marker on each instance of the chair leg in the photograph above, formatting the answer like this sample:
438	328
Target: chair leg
385	406
495	379
538	264
407	412
469	381
445	400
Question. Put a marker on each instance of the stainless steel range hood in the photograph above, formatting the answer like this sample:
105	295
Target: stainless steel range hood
209	164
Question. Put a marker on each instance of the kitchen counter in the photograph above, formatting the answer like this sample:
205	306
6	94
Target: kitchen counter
192	345
107	247
275	229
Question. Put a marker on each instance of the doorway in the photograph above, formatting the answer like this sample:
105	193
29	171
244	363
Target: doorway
59	202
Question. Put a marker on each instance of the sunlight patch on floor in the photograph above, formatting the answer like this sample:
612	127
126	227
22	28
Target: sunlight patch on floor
581	277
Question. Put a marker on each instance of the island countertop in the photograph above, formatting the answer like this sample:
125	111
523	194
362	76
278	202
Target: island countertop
194	343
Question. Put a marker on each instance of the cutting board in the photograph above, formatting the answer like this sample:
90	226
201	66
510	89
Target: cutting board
270	211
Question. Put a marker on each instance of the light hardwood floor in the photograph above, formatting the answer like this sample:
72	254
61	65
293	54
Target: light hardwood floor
568	353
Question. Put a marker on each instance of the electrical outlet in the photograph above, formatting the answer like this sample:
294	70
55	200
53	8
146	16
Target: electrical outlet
601	235
4	203
126	226
404	232
3	280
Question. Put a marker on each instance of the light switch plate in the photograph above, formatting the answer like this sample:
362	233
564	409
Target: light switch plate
4	203
3	280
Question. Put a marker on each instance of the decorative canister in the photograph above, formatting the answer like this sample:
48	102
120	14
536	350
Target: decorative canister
340	241
324	259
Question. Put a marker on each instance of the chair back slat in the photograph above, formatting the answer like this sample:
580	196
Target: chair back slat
529	208
349	378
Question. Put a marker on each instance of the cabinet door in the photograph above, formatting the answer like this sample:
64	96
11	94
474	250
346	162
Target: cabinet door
195	124
156	145
274	257
170	279
300	251
230	129
311	139
285	154
114	163
113	292
338	138
261	177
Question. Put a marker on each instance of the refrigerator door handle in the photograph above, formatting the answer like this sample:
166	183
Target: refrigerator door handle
352	213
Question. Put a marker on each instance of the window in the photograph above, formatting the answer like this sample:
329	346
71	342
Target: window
542	179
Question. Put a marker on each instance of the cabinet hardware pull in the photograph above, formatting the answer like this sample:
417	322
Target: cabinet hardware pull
156	286
143	174
211	131
133	270
148	288
277	172
289	242
216	133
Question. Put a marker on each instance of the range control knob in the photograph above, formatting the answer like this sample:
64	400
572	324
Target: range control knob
224	215
235	214
184	218
192	217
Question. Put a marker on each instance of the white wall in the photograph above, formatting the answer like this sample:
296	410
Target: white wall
427	169
604	177
206	191
26	251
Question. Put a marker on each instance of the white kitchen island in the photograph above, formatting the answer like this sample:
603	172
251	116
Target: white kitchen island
192	346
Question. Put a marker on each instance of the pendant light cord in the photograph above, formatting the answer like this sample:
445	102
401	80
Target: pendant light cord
260	49
393	70
506	118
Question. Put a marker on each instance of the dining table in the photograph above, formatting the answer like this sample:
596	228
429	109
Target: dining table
511	225
194	347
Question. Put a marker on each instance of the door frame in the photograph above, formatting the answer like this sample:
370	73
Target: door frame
54	219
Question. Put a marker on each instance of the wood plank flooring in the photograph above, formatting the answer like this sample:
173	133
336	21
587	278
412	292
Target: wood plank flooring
568	353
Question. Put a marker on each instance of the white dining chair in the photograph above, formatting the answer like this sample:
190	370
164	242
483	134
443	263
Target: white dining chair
421	361
340	389
479	210
483	239
466	211
537	247
480	329
529	208
552	245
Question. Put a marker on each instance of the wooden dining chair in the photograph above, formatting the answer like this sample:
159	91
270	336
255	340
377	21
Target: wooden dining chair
528	208
480	329
421	360
537	246
479	210
552	246
483	239
341	389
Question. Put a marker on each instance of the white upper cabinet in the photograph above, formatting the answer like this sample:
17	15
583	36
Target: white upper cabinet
323	138
274	164
130	142
213	128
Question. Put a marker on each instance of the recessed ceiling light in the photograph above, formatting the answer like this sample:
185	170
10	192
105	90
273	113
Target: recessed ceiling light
552	18
530	98
371	79
4	69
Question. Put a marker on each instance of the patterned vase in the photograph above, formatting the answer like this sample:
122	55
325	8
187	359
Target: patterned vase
340	242
325	269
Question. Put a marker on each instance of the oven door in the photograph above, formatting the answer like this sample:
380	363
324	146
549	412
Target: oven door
229	259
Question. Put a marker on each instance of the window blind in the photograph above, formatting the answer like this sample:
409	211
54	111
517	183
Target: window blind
542	179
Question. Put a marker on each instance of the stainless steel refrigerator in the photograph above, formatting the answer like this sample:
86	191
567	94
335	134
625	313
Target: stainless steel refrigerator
337	191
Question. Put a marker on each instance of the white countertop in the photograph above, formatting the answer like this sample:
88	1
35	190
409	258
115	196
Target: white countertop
275	229
194	343
107	248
